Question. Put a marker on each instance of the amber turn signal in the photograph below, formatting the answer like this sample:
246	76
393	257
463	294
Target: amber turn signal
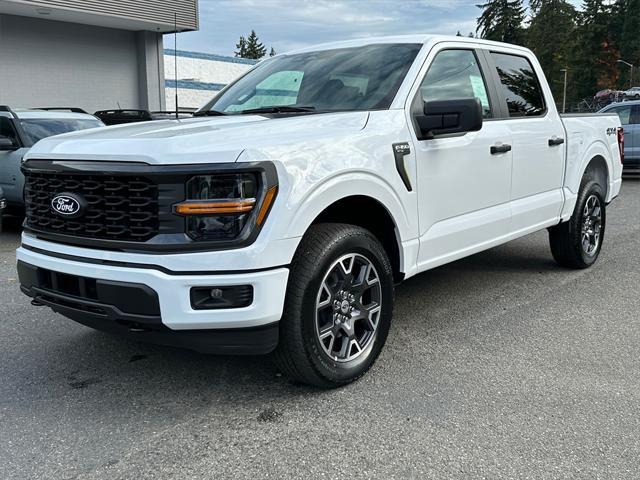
268	200
215	207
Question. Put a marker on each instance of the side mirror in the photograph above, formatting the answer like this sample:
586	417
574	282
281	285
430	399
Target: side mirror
450	116
7	144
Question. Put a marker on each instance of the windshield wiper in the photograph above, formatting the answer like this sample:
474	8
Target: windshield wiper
209	113
280	109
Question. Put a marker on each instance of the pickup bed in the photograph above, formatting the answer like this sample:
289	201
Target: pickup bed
280	217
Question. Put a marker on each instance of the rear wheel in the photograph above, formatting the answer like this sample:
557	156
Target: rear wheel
577	243
338	307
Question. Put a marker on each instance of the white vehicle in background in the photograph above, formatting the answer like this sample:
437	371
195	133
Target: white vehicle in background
632	94
281	216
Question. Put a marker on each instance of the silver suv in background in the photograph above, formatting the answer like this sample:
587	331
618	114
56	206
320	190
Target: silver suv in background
632	94
629	113
20	129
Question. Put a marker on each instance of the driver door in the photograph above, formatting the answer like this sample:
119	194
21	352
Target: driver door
463	180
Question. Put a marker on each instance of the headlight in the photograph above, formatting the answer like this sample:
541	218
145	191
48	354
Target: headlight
223	207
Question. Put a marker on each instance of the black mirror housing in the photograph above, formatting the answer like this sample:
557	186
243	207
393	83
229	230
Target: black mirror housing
6	144
450	116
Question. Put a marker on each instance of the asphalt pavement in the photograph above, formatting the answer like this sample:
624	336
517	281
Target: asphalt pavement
501	365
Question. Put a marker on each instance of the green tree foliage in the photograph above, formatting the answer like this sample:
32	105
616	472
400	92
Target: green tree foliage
502	20
551	36
630	41
589	41
241	48
594	58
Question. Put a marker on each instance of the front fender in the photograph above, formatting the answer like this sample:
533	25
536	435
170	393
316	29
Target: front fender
308	206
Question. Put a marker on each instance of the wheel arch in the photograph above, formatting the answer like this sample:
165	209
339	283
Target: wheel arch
370	214
598	169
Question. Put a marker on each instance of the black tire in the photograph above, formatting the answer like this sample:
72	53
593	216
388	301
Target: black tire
300	354
566	239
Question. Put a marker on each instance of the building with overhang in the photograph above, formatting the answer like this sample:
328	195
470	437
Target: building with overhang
92	54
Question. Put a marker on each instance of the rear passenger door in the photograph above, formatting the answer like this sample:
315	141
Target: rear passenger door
538	140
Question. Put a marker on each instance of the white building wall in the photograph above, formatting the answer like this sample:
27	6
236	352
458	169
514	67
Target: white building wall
200	76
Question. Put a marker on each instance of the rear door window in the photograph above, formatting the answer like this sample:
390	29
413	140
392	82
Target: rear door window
520	85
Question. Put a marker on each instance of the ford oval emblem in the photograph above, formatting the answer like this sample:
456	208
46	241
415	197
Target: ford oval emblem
68	205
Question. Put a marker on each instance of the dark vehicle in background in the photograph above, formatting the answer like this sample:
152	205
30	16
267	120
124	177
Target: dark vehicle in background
121	116
20	129
629	113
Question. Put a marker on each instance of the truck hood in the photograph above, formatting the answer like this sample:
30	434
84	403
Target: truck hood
195	140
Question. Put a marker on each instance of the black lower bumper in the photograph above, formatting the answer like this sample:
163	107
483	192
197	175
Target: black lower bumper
133	310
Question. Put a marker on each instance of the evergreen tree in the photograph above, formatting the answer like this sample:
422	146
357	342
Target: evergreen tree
255	49
272	53
251	47
458	34
630	42
502	20
550	35
241	48
596	53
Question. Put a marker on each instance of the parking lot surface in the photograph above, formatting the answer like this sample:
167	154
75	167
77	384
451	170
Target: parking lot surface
501	365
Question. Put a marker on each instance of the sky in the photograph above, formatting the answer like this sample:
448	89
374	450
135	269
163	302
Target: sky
289	24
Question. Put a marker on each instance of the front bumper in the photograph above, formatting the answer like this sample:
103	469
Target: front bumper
251	329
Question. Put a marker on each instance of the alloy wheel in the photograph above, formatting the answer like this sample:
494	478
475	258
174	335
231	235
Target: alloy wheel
348	307
591	225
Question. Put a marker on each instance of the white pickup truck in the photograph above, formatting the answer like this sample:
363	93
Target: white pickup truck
281	216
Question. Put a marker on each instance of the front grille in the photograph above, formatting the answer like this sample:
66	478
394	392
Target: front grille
120	207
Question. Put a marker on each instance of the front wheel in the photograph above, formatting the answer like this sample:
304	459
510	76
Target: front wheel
577	243
338	307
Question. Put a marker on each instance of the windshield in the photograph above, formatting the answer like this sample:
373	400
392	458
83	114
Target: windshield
39	128
361	78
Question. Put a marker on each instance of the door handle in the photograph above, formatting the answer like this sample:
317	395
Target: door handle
555	141
504	148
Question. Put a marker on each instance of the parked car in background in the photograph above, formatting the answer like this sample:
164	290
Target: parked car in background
632	94
3	206
20	129
120	116
607	95
629	113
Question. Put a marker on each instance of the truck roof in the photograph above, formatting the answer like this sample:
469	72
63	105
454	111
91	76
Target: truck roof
415	38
